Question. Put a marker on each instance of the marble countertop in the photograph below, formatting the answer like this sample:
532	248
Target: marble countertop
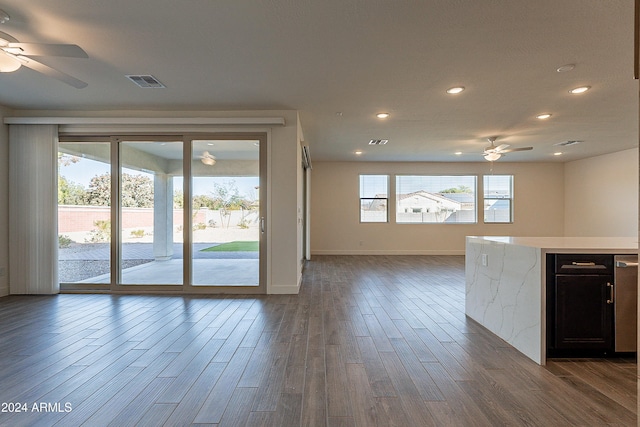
566	244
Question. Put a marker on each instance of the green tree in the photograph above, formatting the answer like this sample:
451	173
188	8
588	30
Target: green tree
204	201
69	192
99	191
458	189
67	159
137	191
178	199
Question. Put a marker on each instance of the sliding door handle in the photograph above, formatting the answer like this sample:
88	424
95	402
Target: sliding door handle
262	225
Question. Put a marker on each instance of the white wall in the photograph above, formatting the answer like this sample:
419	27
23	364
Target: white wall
601	195
335	228
4	205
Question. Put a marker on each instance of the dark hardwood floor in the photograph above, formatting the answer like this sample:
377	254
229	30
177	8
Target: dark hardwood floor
369	341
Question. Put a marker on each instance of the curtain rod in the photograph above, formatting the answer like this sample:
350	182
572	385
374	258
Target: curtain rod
274	121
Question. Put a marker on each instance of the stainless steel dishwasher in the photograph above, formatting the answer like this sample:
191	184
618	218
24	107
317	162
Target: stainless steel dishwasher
625	296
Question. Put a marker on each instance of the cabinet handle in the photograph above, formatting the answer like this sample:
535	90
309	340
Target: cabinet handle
612	293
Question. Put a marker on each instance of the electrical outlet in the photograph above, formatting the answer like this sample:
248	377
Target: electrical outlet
485	260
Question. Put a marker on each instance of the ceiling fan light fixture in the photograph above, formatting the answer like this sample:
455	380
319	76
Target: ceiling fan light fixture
492	156
208	159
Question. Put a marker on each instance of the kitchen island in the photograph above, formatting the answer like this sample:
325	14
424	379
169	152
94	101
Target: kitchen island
506	283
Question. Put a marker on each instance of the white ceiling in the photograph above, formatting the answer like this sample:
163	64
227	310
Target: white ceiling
341	61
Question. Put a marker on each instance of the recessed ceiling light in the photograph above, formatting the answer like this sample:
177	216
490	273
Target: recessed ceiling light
458	153
581	89
543	116
566	68
382	115
357	153
455	90
559	153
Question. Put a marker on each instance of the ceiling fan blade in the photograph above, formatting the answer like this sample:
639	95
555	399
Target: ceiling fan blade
490	149
502	147
41	49
51	72
8	63
517	149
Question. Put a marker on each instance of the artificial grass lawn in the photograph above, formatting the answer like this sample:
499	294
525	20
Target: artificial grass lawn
235	246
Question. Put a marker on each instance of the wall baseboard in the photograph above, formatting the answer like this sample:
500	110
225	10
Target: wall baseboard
285	289
387	252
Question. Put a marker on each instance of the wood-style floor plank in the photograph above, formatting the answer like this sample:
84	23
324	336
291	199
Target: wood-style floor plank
368	341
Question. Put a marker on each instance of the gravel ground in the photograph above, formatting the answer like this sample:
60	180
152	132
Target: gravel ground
72	271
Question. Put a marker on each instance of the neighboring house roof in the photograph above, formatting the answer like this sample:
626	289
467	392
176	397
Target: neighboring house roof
500	204
460	197
426	194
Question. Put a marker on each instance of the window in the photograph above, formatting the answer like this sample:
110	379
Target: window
435	199
374	190
498	198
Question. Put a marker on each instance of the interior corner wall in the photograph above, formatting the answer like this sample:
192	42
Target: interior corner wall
4	205
601	195
284	232
300	209
336	228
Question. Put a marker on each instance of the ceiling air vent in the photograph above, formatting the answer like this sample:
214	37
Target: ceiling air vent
146	81
378	141
567	143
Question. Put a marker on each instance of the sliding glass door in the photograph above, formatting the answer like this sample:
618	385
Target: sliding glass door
226	212
84	213
178	214
151	212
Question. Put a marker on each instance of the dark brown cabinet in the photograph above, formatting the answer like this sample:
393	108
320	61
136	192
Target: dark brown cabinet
584	318
580	305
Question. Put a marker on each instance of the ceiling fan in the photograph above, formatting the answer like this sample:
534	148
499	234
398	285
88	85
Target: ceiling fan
208	158
493	152
14	55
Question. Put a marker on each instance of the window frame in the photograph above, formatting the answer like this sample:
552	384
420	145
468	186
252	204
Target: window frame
398	179
372	199
510	199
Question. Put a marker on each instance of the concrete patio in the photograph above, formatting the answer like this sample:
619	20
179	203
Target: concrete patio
208	268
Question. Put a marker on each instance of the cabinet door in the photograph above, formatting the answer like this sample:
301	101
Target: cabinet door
584	319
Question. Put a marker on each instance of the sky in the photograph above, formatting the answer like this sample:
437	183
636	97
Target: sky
372	185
